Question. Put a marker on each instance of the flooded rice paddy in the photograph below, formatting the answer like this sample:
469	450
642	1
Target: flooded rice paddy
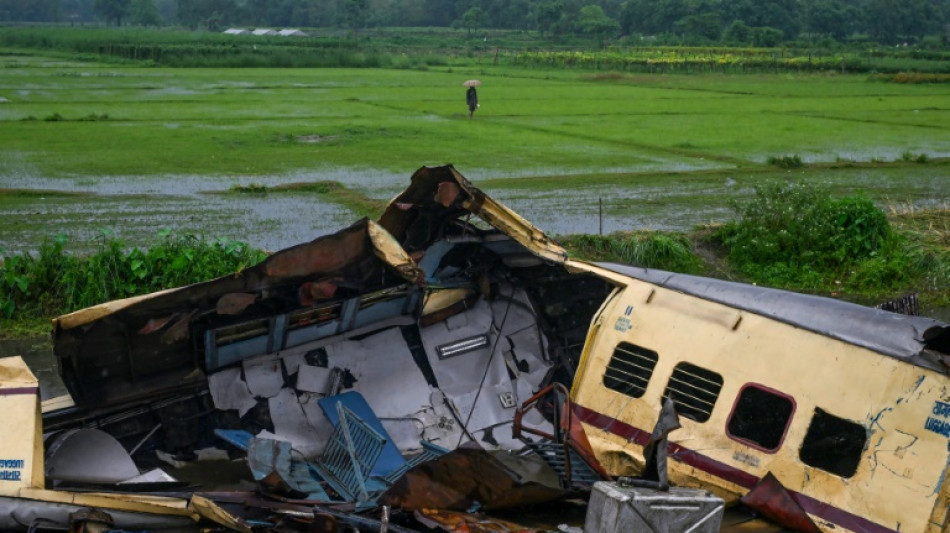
136	208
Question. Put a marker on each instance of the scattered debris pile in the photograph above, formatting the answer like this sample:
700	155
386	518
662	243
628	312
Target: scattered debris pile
379	367
413	373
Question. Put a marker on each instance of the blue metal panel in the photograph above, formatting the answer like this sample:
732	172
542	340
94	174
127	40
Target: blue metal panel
311	333
278	328
278	338
221	356
350	456
434	254
236	437
390	459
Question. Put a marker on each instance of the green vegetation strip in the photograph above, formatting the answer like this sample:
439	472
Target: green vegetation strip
797	237
38	193
332	191
53	281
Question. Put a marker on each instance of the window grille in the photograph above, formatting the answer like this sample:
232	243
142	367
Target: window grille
694	391
630	369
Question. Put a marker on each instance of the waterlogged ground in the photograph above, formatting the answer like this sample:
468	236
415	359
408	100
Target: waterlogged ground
137	208
89	149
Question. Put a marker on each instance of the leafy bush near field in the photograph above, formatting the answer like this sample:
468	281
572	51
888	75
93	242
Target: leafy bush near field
665	251
52	281
800	236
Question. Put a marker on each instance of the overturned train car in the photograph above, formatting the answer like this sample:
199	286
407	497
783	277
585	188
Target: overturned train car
441	318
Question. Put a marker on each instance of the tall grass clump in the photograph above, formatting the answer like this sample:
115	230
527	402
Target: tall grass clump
665	251
799	235
786	161
54	282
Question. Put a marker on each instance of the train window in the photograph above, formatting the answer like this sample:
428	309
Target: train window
760	417
630	369
833	444
694	391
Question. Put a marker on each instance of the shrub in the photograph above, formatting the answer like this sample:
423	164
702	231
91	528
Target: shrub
250	188
785	161
910	157
666	251
806	230
54	282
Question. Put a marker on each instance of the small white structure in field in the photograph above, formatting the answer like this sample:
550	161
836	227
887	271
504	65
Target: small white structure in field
264	31
292	32
236	31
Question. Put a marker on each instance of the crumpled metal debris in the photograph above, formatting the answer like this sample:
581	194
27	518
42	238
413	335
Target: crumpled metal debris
458	522
468	478
773	501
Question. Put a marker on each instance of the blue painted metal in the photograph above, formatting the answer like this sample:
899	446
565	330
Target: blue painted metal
434	254
350	456
360	317
275	341
236	437
348	314
390	459
279	337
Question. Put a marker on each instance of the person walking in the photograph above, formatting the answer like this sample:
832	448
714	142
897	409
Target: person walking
471	98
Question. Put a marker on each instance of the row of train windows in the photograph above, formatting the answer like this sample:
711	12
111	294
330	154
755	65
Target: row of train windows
760	416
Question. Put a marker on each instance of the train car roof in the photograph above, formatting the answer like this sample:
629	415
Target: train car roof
917	340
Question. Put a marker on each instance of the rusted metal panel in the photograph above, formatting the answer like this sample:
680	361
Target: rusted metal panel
462	477
459	522
773	501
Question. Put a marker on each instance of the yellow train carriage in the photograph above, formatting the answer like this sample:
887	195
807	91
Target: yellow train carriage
847	406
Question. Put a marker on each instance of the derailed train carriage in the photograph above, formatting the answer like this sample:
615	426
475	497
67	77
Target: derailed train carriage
441	318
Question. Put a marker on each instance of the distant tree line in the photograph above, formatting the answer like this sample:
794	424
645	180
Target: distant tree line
740	22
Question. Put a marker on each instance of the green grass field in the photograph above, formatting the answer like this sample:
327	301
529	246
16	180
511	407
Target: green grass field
156	148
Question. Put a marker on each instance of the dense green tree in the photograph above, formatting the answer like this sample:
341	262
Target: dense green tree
833	18
113	10
784	15
691	21
705	27
592	20
765	36
397	13
355	13
612	7
663	15
547	14
738	33
145	13
471	20
72	11
441	12
210	14
31	10
900	21
512	14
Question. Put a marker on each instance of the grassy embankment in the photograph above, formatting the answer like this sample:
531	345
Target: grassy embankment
134	149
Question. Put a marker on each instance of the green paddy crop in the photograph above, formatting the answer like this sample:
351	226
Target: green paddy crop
53	281
134	147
